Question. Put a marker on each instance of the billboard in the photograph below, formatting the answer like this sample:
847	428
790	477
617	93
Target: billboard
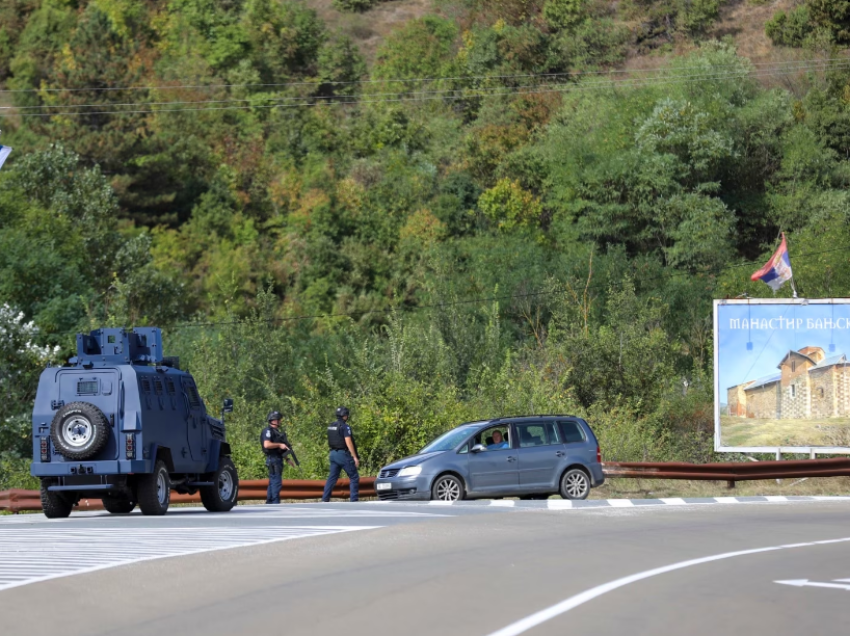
782	375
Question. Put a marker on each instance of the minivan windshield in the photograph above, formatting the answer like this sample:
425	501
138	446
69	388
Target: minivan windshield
448	441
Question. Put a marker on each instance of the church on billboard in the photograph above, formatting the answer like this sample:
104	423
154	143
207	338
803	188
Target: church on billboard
808	385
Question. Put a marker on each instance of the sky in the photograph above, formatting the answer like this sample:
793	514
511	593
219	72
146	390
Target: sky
774	330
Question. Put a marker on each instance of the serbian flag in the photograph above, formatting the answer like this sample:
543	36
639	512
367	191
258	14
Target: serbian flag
4	152
778	268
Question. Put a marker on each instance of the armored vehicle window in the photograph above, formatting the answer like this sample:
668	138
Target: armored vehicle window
157	385
146	385
192	392
86	387
169	384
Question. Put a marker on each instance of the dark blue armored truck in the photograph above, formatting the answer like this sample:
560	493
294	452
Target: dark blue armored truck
124	423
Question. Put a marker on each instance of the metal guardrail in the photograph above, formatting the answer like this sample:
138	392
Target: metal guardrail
730	472
249	490
255	490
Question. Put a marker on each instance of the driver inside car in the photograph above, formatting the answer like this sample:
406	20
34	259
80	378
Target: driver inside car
498	441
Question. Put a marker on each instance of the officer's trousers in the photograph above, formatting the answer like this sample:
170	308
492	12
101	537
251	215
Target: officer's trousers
275	466
342	460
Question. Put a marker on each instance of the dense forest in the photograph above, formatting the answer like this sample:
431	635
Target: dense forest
502	207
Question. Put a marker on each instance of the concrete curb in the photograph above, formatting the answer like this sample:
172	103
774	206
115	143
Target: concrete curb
563	504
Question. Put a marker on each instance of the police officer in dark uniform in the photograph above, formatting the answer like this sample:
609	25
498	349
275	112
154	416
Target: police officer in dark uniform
275	444
343	455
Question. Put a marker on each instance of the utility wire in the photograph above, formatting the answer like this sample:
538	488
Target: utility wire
706	76
392	80
427	96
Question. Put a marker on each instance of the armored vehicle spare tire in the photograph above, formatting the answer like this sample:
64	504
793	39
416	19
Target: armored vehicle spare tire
79	430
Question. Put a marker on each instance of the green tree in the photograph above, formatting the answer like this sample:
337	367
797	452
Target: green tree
833	15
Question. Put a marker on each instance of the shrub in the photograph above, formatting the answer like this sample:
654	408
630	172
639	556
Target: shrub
833	15
354	5
564	14
789	29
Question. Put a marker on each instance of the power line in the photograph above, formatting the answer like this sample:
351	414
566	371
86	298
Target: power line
317	82
426	95
705	76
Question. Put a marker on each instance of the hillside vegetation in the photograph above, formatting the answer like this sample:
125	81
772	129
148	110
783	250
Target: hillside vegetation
491	208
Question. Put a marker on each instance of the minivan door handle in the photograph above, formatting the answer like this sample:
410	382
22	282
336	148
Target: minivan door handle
511	458
560	453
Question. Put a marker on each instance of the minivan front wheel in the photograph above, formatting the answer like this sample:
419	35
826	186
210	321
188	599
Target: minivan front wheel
447	488
575	484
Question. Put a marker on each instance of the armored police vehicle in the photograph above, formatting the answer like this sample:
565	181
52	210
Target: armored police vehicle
123	423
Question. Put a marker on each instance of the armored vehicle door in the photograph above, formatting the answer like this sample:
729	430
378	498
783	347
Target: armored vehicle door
99	388
196	425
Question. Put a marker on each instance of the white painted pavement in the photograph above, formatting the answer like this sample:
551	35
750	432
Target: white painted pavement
43	552
839	584
530	622
587	504
242	514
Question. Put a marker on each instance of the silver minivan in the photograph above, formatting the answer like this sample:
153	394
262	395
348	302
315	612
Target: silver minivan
530	457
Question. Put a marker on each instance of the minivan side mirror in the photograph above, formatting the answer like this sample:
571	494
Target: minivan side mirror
478	448
227	406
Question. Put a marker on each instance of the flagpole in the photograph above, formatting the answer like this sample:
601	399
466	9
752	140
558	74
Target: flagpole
793	284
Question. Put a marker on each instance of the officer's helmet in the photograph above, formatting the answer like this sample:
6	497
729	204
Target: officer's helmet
274	415
342	412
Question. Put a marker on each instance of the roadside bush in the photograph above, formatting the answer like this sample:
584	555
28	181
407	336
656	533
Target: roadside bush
354	5
789	29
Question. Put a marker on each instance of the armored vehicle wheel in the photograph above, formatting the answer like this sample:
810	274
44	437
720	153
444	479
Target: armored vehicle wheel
79	430
222	496
56	505
575	484
118	505
154	490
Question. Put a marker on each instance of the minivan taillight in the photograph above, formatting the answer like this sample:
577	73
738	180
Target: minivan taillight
598	455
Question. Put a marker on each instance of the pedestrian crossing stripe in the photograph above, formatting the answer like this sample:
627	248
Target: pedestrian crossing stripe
42	552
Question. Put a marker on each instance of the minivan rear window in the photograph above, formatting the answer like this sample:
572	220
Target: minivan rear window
572	432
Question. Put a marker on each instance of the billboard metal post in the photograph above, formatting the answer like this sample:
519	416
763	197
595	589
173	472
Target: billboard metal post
782	376
4	153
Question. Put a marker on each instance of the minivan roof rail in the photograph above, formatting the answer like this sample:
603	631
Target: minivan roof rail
528	417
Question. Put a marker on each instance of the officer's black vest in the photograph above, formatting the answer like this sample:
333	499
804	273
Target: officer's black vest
336	440
277	437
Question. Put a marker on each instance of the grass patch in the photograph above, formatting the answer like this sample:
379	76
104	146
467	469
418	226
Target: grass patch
618	488
737	431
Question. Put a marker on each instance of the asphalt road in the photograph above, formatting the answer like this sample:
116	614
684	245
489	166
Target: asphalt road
375	569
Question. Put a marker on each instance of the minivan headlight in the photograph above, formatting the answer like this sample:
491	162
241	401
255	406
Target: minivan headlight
410	471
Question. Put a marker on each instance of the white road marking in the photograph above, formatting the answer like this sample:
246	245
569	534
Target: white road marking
260	512
602	504
40	553
808	583
529	622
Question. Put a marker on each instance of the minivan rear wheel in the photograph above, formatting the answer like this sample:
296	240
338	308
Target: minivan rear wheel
575	484
447	488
